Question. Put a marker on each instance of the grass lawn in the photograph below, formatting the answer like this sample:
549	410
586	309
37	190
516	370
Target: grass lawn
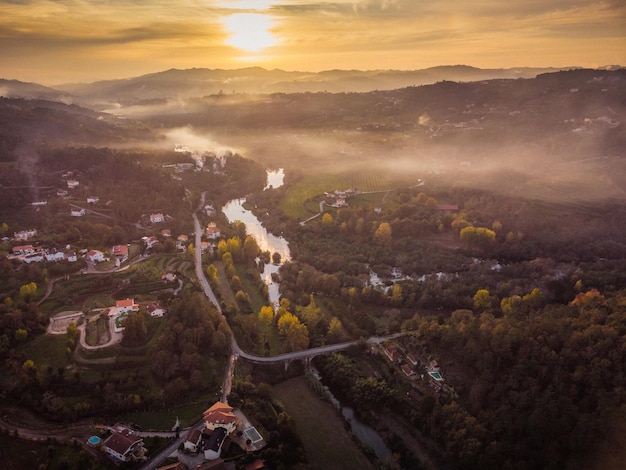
326	442
46	350
164	420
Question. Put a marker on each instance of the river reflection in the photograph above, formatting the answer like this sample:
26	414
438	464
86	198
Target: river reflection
234	210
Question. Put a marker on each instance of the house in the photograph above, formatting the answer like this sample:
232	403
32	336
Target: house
23	250
93	199
71	257
212	231
214	444
54	255
150	241
125	306
192	442
393	354
124	445
169	276
62	192
25	234
435	380
209	209
77	212
413	359
120	252
156	311
181	242
95	256
34	258
204	246
166	232
408	370
157	218
220	415
72	184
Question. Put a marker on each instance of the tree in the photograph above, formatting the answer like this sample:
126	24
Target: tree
327	220
276	258
482	301
20	335
334	327
382	235
478	237
396	295
251	247
295	334
266	318
28	290
135	329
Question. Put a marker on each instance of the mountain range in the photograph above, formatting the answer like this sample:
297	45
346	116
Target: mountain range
197	82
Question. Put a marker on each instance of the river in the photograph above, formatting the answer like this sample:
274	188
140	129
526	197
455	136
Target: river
234	210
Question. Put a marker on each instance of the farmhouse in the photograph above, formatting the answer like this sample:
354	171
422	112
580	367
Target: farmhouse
124	445
71	257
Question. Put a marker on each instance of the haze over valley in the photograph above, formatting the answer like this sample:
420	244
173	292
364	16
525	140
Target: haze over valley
285	234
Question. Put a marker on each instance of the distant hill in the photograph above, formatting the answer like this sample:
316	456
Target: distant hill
177	84
17	89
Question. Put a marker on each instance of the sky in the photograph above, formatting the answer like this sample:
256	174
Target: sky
64	41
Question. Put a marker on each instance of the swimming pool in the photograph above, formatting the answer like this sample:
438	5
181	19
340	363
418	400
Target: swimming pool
253	435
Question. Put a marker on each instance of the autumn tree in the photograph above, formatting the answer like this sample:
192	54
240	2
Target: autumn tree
251	248
266	318
294	333
482	301
382	235
478	237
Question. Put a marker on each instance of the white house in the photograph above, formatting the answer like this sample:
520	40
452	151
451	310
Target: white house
77	212
23	250
72	184
95	256
71	257
157	218
214	444
193	440
156	311
25	234
34	258
125	306
55	255
150	241
124	445
93	199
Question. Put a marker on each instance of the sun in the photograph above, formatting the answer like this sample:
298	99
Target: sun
249	31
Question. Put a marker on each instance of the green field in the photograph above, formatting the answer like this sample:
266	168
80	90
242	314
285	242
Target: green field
300	200
326	442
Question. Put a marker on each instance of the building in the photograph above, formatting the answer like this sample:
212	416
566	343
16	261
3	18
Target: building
72	184
23	250
25	234
125	306
77	212
157	218
212	232
120	252
192	442
156	311
95	256
393	354
220	415
93	200
214	444
124	445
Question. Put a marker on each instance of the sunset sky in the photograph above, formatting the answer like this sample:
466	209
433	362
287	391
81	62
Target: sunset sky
53	42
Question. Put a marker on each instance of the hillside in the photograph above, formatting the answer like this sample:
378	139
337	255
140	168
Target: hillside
177	84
